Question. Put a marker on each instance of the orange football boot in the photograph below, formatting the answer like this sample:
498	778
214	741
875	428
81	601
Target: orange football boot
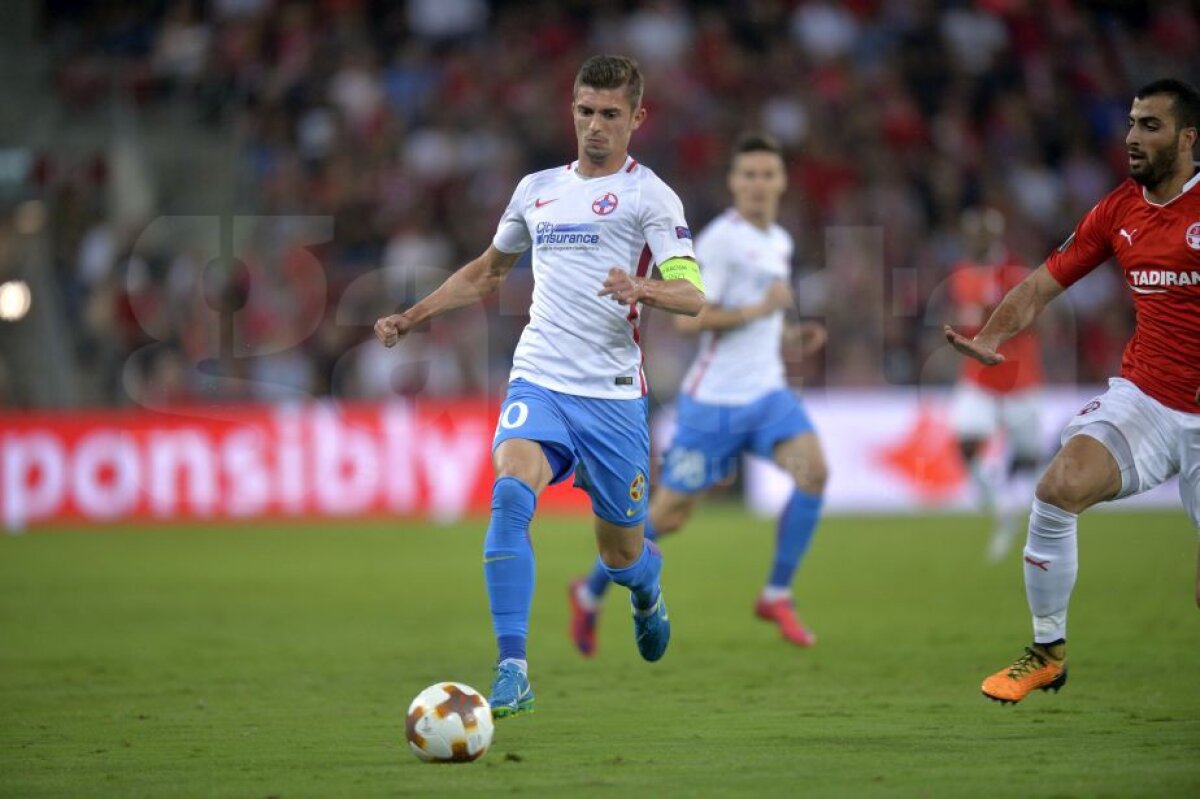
1036	669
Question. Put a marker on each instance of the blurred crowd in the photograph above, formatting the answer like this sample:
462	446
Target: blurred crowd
408	124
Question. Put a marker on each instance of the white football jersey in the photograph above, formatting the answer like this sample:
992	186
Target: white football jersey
579	228
738	262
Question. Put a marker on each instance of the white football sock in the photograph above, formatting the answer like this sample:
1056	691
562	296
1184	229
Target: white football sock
771	593
523	665
586	598
1051	563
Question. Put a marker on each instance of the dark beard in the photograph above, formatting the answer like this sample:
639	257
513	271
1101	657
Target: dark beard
1157	167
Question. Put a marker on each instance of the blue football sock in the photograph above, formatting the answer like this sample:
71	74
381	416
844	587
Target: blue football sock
508	564
641	577
796	525
598	580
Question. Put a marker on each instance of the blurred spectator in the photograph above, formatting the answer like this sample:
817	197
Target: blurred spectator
405	126
181	46
446	19
824	31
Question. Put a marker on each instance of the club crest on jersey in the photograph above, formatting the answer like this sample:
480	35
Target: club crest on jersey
637	488
1192	237
604	204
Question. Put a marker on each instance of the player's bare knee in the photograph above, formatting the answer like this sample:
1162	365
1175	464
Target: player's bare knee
1082	474
1066	487
670	511
666	524
809	472
671	519
525	463
529	474
813	478
621	554
803	459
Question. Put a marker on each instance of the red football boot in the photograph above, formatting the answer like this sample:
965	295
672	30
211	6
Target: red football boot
583	620
782	612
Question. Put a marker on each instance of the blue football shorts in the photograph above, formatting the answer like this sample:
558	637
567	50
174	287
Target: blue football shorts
709	438
604	442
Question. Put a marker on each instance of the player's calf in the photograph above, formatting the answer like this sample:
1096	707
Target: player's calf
669	512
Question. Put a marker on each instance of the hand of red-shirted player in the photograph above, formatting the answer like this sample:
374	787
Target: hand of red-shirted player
971	348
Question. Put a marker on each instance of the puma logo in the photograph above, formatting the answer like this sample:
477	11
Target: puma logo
1044	565
1128	236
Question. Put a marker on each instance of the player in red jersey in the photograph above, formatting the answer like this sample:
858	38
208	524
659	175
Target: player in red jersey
1004	397
1146	427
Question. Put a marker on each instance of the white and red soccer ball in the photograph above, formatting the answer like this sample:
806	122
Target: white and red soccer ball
449	722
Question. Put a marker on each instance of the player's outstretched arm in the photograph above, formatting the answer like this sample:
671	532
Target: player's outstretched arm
679	296
1017	311
468	285
716	317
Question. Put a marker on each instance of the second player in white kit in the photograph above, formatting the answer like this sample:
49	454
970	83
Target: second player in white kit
735	397
741	263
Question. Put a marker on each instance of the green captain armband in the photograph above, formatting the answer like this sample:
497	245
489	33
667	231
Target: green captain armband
682	269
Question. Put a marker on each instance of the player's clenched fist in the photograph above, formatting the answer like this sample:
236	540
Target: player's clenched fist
390	329
621	287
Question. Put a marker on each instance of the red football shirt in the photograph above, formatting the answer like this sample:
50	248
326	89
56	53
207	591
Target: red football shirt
976	289
1158	249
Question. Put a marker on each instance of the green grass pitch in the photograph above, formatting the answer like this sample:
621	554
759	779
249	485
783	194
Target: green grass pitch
278	660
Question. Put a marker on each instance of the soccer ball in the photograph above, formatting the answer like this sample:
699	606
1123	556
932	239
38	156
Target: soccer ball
449	722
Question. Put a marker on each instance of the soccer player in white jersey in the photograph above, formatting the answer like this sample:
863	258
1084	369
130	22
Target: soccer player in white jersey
735	398
576	398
